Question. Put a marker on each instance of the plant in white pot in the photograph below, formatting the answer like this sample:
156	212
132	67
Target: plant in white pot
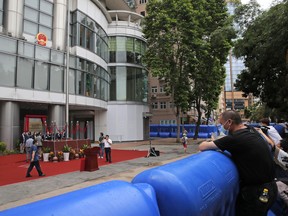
46	152
66	152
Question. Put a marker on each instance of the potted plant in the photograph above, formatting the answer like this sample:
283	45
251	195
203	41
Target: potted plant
81	153
60	156
72	154
82	150
66	152
46	152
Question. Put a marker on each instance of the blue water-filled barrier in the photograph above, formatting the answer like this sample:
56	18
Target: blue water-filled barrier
170	130
280	129
195	185
154	134
205	131
164	131
113	198
154	130
202	184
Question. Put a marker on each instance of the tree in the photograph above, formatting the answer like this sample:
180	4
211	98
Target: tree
170	30
246	14
264	47
208	74
188	42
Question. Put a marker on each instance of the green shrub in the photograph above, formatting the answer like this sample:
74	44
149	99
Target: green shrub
17	145
2	147
8	152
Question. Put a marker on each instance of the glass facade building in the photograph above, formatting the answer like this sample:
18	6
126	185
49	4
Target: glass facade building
106	77
234	66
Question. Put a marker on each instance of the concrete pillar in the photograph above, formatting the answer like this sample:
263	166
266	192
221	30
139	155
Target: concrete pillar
14	17
59	24
9	123
56	113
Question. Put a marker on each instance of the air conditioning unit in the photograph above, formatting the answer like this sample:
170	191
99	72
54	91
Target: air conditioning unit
153	96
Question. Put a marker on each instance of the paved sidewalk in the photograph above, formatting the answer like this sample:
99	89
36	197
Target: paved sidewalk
26	192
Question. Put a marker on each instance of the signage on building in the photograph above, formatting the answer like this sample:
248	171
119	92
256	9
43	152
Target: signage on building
147	114
41	38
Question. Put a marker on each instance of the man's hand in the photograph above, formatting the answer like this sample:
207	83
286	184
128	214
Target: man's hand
206	145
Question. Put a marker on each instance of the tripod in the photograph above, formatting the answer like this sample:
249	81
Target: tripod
151	151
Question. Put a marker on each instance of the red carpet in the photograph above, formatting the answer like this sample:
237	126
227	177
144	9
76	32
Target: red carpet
13	167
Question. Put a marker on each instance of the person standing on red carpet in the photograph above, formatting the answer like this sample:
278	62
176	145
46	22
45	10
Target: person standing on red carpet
34	161
101	145
107	146
28	144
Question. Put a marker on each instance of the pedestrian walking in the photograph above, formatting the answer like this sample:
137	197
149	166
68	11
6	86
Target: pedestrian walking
34	161
184	141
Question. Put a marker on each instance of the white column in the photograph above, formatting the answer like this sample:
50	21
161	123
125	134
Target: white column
59	24
14	17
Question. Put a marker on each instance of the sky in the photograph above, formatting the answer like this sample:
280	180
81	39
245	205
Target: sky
265	4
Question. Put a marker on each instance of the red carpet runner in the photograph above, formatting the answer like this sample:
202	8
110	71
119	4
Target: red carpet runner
13	167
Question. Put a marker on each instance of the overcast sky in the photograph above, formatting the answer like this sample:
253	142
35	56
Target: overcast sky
265	4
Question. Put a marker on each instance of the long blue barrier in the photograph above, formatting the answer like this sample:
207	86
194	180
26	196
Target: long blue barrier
107	199
202	184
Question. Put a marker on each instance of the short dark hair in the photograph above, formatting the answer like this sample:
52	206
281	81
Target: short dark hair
233	115
265	121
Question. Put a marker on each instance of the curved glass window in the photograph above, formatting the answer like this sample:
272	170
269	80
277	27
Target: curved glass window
128	84
126	50
91	80
88	34
43	69
7	70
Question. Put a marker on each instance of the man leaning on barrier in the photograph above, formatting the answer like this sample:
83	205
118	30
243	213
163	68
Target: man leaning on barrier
253	159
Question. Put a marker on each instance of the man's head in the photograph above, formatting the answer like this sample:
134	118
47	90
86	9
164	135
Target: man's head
265	121
230	119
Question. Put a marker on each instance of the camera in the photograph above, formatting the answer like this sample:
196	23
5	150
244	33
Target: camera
264	129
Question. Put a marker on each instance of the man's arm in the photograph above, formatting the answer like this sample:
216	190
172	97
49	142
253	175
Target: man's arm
33	155
267	138
206	145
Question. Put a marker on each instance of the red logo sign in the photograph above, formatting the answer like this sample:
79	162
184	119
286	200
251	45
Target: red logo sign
42	39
